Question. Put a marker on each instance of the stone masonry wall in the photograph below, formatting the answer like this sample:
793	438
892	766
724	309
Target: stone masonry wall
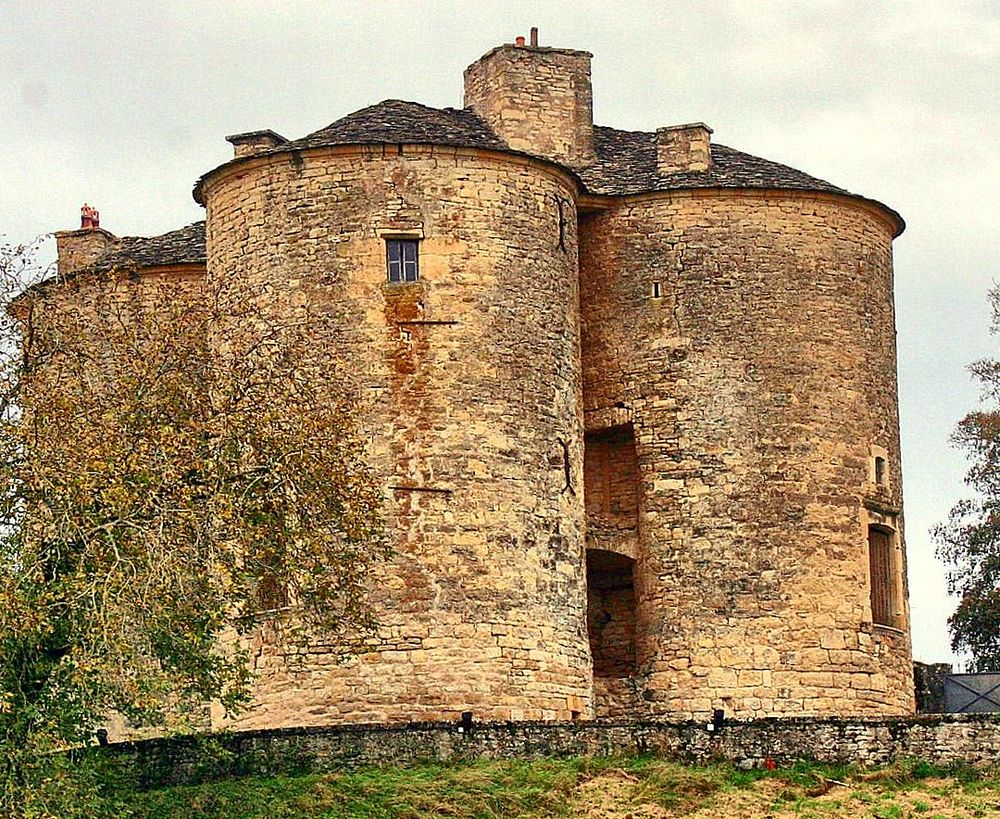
940	740
469	383
758	384
609	475
78	249
538	99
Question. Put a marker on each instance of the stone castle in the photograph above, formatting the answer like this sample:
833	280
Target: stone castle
632	396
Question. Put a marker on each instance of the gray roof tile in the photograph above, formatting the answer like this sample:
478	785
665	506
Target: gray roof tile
183	246
398	121
626	164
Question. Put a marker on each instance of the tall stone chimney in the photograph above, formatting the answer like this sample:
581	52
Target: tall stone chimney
538	99
80	248
684	148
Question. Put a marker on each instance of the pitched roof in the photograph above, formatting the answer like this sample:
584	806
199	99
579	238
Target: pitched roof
626	160
626	164
398	121
183	246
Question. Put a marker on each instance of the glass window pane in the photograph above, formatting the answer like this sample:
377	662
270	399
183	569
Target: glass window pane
394	260
401	260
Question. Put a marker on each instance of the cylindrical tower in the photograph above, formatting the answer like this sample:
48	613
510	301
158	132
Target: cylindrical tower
448	277
739	370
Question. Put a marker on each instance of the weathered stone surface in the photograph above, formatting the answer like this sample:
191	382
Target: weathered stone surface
628	419
940	740
470	383
78	249
750	340
538	99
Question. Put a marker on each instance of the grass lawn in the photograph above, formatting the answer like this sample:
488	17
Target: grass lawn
637	788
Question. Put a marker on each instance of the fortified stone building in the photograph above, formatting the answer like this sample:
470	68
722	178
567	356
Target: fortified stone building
632	396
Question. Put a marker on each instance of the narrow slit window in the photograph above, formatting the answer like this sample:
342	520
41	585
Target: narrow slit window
879	470
402	260
882	577
657	290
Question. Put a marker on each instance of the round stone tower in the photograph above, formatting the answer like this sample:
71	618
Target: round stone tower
447	276
739	345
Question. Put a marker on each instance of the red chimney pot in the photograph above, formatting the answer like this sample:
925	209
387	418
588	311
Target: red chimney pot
519	41
89	217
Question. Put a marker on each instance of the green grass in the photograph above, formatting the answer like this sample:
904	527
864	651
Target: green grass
559	787
484	789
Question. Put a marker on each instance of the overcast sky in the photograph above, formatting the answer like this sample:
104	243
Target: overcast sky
124	104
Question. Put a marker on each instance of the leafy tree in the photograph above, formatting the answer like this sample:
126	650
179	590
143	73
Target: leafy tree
176	471
969	541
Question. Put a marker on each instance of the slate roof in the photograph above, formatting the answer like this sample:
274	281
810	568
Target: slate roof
626	164
183	246
397	121
626	160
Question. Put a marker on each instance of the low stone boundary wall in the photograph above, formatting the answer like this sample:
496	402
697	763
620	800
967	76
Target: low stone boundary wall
940	739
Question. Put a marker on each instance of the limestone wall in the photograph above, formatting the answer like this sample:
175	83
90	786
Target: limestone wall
749	339
538	99
95	308
469	383
78	249
940	740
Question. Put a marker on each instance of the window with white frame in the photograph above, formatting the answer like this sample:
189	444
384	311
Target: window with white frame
402	260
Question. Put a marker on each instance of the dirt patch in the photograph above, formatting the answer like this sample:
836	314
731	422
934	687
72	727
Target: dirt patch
614	795
618	794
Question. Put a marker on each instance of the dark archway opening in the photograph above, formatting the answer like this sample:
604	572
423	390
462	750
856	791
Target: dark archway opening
611	613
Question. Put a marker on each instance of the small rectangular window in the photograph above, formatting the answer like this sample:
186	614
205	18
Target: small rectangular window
878	469
401	260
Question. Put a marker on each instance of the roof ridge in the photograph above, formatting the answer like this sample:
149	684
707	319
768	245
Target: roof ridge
622	130
626	159
165	233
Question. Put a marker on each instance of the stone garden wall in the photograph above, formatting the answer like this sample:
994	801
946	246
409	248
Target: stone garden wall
939	739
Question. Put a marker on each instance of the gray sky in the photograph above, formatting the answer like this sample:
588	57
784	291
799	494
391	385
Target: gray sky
124	104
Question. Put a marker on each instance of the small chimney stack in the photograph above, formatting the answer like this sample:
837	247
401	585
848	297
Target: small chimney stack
684	148
534	36
80	248
519	41
254	142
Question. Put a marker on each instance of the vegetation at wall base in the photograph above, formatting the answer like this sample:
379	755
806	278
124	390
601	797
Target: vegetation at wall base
601	788
172	494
